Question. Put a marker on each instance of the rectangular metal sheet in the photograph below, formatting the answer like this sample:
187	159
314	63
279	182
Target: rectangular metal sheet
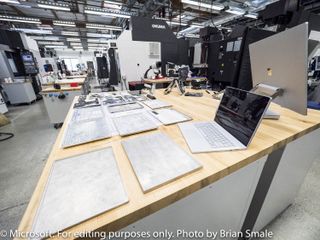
170	116
86	131
79	188
124	107
155	104
156	160
134	123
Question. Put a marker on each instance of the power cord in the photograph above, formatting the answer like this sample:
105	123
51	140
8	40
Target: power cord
10	135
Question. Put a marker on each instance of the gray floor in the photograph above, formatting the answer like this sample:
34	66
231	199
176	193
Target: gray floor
23	157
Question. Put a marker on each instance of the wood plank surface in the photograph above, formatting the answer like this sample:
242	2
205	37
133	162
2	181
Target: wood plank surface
271	135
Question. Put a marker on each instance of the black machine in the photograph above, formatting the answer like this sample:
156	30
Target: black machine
229	61
114	77
102	67
31	69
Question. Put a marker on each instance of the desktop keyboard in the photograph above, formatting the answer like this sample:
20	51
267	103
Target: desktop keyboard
213	136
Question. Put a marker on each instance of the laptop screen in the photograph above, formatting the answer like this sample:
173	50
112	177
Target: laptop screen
240	113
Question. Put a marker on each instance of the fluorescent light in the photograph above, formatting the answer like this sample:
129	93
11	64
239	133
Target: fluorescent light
235	11
55	46
69	33
50	43
64	23
97	40
77	47
99	35
111	13
32	31
97	45
196	25
75	43
73	40
314	35
205	5
251	15
19	19
176	23
53	5
102	26
114	5
10	1
49	38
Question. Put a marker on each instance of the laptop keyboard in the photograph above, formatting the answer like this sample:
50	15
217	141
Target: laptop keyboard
213	136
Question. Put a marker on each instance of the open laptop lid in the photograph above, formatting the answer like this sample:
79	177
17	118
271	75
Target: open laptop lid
240	113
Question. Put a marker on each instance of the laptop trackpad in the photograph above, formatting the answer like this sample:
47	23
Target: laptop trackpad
196	142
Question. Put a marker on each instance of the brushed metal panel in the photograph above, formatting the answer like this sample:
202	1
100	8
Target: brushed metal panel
86	125
170	116
134	123
157	160
79	188
155	104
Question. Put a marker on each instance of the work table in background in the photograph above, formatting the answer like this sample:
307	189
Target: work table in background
272	136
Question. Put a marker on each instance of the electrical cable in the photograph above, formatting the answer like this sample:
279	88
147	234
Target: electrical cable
10	135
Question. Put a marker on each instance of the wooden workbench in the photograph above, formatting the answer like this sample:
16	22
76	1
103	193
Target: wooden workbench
154	82
77	76
271	136
79	81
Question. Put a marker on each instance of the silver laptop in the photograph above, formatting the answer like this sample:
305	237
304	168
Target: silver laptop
237	119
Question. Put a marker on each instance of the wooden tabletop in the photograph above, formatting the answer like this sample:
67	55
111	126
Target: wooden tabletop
77	76
271	135
63	89
80	81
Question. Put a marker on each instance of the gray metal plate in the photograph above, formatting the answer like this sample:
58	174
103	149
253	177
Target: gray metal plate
79	188
155	104
156	160
124	107
170	116
134	123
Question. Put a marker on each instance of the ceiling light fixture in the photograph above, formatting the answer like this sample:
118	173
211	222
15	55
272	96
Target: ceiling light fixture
73	40
66	33
176	23
53	5
114	5
10	1
105	12
202	4
97	40
32	31
104	27
49	38
99	35
49	43
235	11
251	15
75	43
64	23
55	46
19	19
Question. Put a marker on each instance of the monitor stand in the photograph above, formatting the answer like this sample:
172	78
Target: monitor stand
271	115
270	91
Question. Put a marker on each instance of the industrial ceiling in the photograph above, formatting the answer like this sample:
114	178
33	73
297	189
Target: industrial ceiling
88	24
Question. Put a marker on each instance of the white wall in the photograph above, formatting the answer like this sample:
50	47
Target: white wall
132	53
83	56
